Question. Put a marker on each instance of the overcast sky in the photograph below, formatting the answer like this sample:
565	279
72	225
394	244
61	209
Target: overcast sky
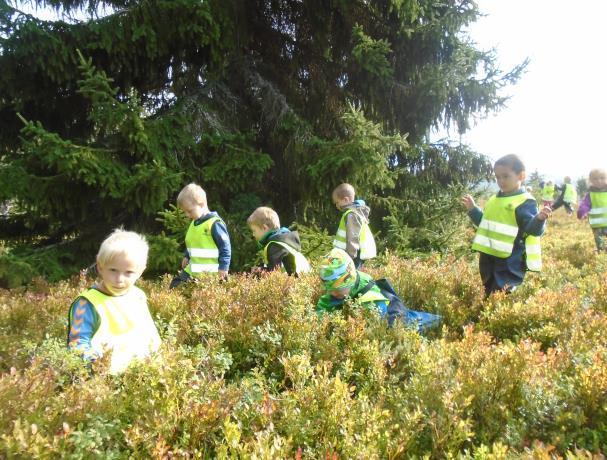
555	119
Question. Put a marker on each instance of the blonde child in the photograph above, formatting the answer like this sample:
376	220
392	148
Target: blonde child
508	228
594	205
207	241
353	234
113	314
280	246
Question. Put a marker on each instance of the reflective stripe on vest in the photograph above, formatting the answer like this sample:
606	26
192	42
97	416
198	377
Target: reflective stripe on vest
597	216
570	195
533	251
299	260
126	327
548	193
203	251
368	249
498	229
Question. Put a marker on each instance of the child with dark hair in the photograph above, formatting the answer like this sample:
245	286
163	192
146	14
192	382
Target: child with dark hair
508	229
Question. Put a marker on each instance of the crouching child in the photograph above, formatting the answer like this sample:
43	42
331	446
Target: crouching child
280	247
343	282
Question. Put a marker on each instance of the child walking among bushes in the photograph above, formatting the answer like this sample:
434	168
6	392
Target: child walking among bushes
594	205
208	248
343	282
280	246
567	197
112	315
508	229
353	234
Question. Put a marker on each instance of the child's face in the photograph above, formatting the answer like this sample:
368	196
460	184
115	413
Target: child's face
340	293
507	180
192	209
341	202
598	180
120	274
258	230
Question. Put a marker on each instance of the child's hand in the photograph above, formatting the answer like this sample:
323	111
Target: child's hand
223	274
184	262
544	213
468	202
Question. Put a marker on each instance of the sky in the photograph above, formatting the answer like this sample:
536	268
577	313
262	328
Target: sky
556	114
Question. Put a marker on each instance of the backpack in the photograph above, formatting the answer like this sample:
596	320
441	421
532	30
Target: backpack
397	309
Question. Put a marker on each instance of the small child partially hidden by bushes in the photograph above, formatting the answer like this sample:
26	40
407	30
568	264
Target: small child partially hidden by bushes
344	282
208	247
280	247
112	315
594	205
353	234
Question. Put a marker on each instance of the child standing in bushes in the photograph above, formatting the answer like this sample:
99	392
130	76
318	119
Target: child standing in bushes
208	248
280	246
508	229
353	234
343	282
113	314
568	196
594	205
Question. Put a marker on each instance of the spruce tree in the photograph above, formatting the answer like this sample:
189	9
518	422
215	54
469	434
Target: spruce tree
262	102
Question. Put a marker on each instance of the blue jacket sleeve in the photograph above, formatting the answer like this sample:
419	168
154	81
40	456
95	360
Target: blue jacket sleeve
83	323
476	214
526	218
220	235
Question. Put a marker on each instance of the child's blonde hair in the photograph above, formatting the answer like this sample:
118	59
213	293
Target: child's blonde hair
122	242
264	216
192	193
595	174
344	191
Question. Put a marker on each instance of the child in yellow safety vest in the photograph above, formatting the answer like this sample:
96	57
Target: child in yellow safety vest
353	234
548	193
112	315
343	284
508	229
280	246
594	205
208	247
567	197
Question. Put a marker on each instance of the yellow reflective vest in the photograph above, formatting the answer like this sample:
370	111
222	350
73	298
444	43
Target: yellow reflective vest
548	192
498	229
202	249
126	328
368	249
597	216
299	261
570	195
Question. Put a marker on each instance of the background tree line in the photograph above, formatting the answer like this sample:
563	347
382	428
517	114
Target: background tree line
268	102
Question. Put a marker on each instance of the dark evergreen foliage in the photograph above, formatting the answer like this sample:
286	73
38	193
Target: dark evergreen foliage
262	102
